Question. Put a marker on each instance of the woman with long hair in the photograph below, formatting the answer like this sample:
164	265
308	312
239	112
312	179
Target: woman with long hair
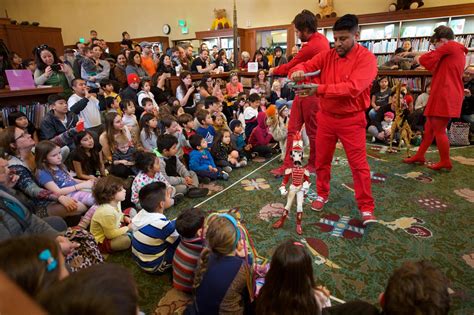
185	91
134	65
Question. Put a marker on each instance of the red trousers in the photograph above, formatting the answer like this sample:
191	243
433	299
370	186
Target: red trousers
303	111
351	131
435	127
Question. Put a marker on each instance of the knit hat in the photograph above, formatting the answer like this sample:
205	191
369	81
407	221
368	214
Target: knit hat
133	78
234	123
281	108
389	114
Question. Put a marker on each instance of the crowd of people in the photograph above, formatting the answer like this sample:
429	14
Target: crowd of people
117	149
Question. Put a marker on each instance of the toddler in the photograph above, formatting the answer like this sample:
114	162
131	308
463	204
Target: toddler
201	161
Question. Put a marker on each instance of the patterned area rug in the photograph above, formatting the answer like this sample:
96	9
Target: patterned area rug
411	226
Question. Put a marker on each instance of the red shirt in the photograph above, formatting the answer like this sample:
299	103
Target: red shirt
317	43
344	82
447	89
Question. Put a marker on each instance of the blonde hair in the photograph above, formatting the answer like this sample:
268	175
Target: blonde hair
245	54
221	238
274	84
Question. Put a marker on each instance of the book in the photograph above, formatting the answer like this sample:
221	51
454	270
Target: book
409	31
367	33
252	67
457	25
389	30
423	31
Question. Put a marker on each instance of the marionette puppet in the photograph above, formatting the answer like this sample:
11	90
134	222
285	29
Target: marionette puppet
299	185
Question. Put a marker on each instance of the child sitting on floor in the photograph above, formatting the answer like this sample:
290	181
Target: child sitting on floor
206	130
109	225
225	155
173	128
148	131
237	139
175	172
250	114
154	236
186	121
290	287
189	225
123	157
260	137
149	166
219	122
220	281
148	107
201	161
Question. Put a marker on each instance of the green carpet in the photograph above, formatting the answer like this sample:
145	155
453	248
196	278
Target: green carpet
442	234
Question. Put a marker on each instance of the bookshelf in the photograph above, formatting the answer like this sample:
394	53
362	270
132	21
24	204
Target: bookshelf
383	33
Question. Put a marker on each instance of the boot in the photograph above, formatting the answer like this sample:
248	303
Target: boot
278	224
299	217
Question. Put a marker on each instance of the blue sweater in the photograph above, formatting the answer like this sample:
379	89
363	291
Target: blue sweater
200	160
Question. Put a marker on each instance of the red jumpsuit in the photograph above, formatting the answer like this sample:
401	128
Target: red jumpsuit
303	110
344	94
445	101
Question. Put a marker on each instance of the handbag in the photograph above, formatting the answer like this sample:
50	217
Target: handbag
87	254
458	133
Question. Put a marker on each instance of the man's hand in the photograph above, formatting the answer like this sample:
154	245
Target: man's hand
297	76
270	71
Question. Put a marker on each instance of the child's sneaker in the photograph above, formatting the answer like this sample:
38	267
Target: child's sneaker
227	169
224	175
204	180
368	217
243	163
318	204
178	197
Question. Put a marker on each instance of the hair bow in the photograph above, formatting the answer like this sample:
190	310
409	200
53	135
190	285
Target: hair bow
49	259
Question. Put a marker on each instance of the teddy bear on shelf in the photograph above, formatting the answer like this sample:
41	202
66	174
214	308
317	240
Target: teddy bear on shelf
220	21
326	9
405	5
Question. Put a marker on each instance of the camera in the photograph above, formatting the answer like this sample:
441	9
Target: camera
196	84
56	67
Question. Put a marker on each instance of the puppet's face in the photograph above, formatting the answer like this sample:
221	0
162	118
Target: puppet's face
297	157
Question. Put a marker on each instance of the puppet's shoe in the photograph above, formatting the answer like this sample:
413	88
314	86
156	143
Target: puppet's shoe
318	204
279	224
440	165
299	217
414	160
368	217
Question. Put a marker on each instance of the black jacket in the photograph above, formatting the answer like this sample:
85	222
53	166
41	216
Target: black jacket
53	129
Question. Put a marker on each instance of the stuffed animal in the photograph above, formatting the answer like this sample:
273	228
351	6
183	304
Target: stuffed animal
405	5
326	9
221	21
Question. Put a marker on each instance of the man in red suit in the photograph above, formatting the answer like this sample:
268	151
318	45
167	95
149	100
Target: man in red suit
347	72
446	63
303	110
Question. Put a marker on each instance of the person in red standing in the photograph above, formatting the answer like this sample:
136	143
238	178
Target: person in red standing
446	63
347	73
303	110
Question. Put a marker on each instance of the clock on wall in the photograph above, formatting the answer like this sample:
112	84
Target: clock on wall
166	29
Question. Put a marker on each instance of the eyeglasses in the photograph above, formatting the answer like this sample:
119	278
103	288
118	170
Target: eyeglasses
24	134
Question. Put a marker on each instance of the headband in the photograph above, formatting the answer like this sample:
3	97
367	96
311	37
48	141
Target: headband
234	223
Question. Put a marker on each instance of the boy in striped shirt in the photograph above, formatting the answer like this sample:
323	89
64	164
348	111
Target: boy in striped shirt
189	225
154	236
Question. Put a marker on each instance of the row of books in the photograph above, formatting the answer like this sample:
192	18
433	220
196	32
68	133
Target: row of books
35	113
466	40
413	84
383	46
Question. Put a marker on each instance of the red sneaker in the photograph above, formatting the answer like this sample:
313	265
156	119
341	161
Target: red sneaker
318	204
368	217
310	168
414	160
440	165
